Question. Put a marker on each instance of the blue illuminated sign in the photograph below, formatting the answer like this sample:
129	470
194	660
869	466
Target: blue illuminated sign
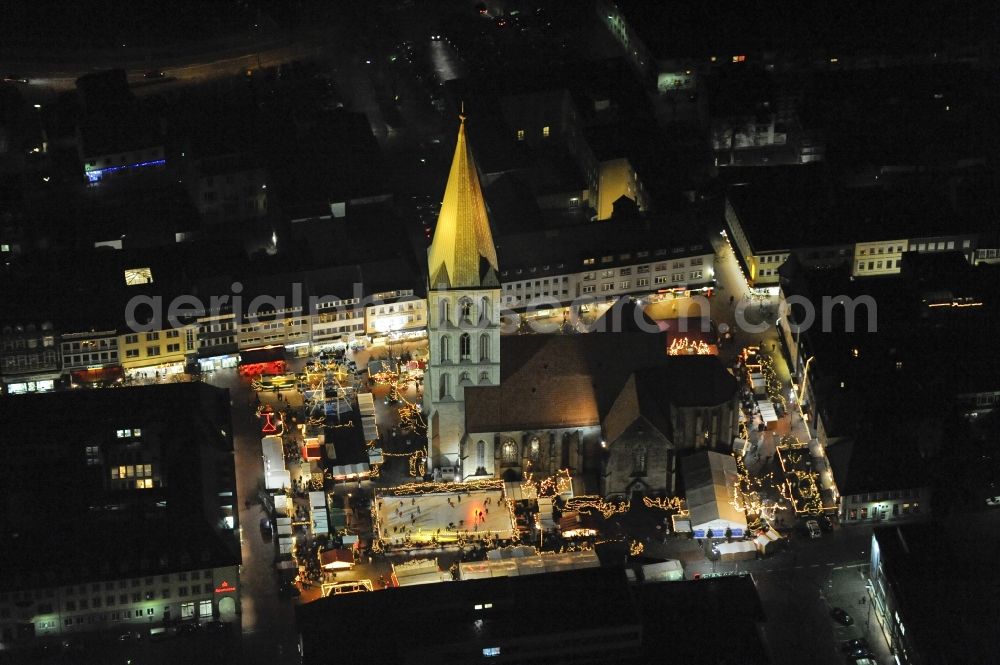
96	174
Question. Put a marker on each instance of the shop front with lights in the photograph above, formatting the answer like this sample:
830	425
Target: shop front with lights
96	377
218	362
706	291
41	385
155	371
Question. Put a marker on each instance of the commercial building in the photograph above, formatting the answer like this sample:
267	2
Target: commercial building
29	356
795	210
119	511
929	589
885	389
650	256
589	615
507	618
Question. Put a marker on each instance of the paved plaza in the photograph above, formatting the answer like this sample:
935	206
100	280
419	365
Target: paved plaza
443	517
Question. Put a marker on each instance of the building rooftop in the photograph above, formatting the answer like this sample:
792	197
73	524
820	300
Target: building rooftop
940	575
687	617
63	518
521	609
783	208
562	250
550	381
727	27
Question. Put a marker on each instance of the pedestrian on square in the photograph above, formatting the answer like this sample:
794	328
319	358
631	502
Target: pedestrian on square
460	498
487	511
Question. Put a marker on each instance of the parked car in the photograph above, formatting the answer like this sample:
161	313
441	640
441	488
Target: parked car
814	530
841	617
266	532
853	645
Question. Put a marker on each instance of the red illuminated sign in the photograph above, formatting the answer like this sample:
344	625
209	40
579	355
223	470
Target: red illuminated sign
225	587
269	426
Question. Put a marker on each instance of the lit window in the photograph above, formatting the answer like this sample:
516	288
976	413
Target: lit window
135	276
545	131
520	135
490	652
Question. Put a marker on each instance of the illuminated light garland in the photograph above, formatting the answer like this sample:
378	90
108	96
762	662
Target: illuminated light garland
800	488
590	503
684	346
636	548
748	497
669	504
484	484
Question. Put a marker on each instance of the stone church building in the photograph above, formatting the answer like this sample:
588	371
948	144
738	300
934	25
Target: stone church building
612	407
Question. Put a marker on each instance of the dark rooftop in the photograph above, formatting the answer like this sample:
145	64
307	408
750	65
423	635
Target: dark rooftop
72	523
691	28
523	608
940	574
562	250
782	208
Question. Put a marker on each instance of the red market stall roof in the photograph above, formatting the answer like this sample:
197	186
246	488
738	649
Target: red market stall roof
269	368
340	559
97	375
311	453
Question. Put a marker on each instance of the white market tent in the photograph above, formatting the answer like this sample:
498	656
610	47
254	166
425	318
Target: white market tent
366	404
738	551
320	518
281	505
767	412
545	518
527	563
667	571
370	430
768	541
419	571
276	477
710	479
350	470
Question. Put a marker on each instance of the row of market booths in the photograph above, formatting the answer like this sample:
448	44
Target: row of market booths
520	560
714	508
756	394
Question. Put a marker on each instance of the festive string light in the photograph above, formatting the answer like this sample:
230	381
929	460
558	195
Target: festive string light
670	504
590	503
686	347
800	487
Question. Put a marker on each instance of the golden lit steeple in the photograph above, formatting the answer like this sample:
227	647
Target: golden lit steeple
462	237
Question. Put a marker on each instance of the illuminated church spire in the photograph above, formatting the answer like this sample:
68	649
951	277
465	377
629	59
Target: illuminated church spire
462	254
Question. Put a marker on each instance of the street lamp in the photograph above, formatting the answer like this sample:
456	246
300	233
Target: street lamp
805	378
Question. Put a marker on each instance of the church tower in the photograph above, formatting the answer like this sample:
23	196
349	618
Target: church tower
463	308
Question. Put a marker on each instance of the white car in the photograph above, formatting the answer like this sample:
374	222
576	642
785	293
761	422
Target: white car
814	530
993	501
